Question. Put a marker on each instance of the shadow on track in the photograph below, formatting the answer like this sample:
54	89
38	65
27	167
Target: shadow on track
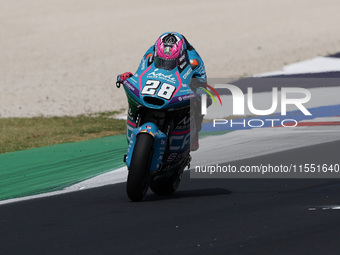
208	192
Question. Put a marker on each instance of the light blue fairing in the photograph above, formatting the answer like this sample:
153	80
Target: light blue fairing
171	88
168	89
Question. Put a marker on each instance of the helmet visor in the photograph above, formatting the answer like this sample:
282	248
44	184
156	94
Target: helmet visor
167	64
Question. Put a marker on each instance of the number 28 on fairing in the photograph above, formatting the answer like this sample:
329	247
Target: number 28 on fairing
166	90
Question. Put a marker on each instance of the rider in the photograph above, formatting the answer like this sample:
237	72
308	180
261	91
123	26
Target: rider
167	53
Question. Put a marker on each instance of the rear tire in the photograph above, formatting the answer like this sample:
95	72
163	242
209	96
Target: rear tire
137	181
166	185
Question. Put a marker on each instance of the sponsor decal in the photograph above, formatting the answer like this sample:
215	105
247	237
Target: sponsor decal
194	63
182	58
132	79
183	65
186	97
184	121
167	50
162	76
143	64
129	86
172	157
130	111
187	73
147	131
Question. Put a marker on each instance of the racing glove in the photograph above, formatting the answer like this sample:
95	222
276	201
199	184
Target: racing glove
123	77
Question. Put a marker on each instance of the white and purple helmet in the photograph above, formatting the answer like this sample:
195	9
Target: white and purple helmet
169	49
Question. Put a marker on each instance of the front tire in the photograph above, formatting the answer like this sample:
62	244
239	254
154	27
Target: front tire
137	181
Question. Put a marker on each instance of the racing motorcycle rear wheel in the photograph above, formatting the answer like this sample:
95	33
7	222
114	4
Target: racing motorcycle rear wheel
167	184
137	181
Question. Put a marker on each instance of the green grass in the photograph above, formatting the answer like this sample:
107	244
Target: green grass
26	133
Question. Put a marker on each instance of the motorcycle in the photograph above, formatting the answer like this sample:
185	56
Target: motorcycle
158	129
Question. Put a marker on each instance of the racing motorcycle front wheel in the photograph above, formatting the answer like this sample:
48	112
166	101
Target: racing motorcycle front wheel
137	181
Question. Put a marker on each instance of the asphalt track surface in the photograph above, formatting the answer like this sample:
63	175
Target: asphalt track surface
205	216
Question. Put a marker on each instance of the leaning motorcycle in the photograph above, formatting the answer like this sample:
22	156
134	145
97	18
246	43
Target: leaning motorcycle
158	129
